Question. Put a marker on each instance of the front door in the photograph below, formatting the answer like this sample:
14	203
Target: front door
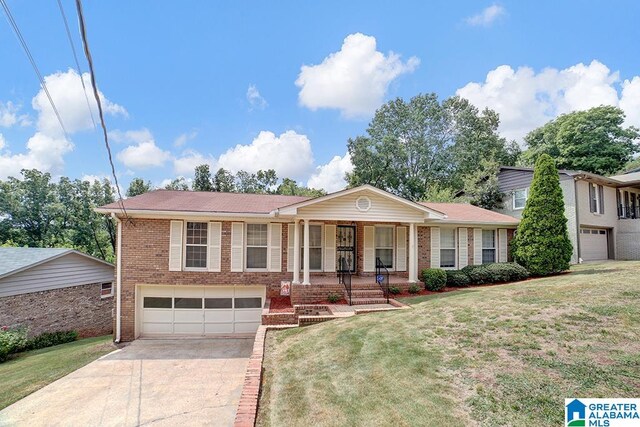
346	247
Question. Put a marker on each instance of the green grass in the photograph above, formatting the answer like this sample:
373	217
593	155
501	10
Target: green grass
494	356
32	370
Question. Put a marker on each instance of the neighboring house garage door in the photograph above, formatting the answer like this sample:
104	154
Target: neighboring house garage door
199	311
593	244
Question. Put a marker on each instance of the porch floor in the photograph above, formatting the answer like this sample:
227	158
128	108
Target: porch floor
357	280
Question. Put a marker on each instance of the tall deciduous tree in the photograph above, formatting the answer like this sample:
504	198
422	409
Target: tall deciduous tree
594	141
179	184
413	145
224	181
202	180
289	187
138	186
541	243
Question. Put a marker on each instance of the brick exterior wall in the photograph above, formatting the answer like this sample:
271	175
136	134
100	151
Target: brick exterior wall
78	308
470	248
424	249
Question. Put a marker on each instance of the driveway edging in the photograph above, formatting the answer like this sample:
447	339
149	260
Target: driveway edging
248	404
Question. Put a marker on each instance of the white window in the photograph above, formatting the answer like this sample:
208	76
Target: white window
106	290
520	198
384	245
488	246
196	245
257	238
447	248
315	247
596	202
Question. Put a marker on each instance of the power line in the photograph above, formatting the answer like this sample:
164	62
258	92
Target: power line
75	57
87	52
22	41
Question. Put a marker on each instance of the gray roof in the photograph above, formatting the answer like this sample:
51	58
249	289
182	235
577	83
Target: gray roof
13	260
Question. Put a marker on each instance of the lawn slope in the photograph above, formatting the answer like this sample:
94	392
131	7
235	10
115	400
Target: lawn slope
499	355
32	370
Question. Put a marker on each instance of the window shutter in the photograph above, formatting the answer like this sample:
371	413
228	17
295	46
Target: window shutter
435	247
401	248
175	245
601	197
463	251
215	232
502	245
275	247
290	254
237	246
369	248
591	197
477	246
329	248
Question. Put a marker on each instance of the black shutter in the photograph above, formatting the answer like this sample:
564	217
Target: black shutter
601	197
592	197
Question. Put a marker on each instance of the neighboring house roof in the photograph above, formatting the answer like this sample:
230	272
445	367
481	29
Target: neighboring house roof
614	181
465	213
14	260
204	201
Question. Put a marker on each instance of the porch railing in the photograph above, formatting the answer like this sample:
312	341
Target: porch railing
628	211
382	278
344	277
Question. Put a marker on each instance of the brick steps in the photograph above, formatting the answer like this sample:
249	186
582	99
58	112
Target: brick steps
311	320
364	301
366	293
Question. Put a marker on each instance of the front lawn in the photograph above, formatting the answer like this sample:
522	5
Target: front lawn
497	355
32	370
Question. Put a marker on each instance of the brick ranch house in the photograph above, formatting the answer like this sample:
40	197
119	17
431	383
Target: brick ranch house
203	263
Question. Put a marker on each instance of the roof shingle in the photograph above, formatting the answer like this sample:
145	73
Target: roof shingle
469	213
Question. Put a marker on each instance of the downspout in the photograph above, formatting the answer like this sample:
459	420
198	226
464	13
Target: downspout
118	279
575	201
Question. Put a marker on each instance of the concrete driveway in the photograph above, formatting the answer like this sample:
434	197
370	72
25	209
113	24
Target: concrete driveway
149	382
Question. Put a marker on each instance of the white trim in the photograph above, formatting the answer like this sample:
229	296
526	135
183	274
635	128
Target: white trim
321	247
401	249
455	248
392	247
184	247
463	248
526	196
329	248
502	251
365	198
246	246
214	242
494	248
119	282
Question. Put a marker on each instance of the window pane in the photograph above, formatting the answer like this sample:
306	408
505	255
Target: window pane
447	238
196	256
256	257
386	256
218	303
519	198
196	233
256	234
187	302
488	239
488	256
315	258
156	302
447	257
248	302
315	235
384	237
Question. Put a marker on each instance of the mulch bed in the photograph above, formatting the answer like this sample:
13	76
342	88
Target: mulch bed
281	305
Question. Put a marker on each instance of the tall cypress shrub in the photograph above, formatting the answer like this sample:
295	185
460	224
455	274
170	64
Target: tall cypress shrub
541	243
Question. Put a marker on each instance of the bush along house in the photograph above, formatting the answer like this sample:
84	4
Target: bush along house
203	263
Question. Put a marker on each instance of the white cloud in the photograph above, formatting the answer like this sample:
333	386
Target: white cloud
69	98
330	177
44	153
184	138
255	100
186	164
3	142
354	79
138	136
526	100
487	17
144	153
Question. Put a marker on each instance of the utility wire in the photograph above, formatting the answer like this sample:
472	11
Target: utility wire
22	41
87	52
75	57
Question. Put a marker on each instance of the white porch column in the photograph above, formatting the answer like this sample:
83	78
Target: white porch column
296	252
305	275
413	254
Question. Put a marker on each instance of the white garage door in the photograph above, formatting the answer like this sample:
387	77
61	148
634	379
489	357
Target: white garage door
593	244
199	311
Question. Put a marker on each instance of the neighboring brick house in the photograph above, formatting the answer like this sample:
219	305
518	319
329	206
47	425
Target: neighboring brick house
55	289
603	213
202	263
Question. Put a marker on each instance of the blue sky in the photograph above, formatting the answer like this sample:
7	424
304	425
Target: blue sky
284	84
